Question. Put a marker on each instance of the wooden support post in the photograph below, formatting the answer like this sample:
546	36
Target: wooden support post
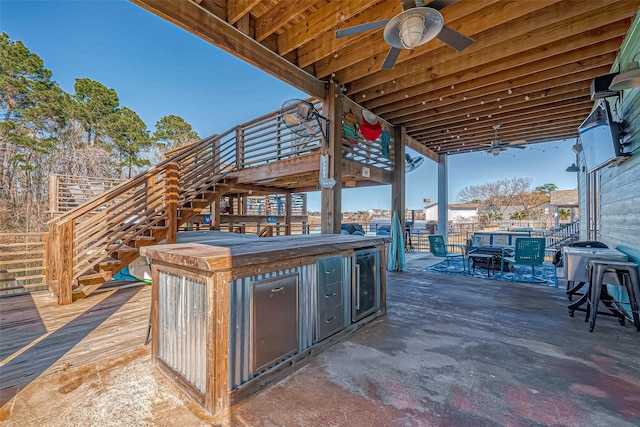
53	195
398	175
287	214
215	212
172	202
331	207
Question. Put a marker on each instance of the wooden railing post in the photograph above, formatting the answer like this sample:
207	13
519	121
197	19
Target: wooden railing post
172	202
53	195
239	148
60	261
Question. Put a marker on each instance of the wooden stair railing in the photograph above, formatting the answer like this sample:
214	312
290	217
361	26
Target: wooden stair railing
95	240
99	238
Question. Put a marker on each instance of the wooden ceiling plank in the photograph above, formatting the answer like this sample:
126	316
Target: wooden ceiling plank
236	9
497	92
322	20
198	21
451	73
539	129
459	130
469	18
513	133
503	117
492	45
278	16
493	84
570	91
327	44
490	100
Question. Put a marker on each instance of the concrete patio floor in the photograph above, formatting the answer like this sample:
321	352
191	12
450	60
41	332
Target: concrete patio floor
452	351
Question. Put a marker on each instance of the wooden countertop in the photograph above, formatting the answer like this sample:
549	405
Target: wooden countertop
217	254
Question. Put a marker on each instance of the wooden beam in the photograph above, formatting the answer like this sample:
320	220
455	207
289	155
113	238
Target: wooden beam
237	9
282	168
319	22
420	148
353	169
204	24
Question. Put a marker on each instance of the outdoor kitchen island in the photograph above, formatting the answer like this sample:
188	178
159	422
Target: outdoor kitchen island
229	316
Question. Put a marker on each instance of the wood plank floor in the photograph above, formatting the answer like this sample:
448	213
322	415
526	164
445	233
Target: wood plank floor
452	351
38	337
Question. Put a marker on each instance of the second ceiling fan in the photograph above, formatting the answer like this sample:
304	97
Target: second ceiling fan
414	26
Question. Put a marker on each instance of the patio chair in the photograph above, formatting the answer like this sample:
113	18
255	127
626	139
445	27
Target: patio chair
439	249
528	251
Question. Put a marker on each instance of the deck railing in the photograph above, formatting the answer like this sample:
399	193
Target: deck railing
152	205
22	262
68	192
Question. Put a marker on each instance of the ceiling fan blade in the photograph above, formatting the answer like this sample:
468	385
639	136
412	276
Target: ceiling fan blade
439	4
519	147
391	58
361	28
408	4
456	40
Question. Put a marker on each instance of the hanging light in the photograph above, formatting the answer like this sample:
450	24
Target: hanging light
629	79
413	27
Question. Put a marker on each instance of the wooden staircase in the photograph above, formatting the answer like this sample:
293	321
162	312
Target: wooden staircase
92	242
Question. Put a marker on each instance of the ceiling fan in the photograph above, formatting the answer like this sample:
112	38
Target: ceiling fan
412	163
497	146
414	26
303	119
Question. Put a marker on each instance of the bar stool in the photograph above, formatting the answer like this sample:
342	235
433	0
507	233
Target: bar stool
627	275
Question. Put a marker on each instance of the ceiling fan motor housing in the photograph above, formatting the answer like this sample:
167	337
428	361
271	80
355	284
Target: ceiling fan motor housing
413	27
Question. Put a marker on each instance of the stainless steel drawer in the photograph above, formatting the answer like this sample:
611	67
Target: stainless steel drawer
274	320
329	295
330	321
329	270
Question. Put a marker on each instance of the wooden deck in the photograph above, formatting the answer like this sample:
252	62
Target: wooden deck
39	337
452	351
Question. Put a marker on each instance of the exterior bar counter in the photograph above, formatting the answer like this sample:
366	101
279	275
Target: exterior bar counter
231	315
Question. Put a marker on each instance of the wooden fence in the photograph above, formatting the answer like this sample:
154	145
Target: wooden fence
22	262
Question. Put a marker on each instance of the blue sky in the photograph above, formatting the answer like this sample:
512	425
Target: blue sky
159	69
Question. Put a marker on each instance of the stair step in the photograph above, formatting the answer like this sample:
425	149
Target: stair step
92	277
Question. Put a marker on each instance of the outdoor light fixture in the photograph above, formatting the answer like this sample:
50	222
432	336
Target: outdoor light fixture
413	27
630	78
577	148
573	168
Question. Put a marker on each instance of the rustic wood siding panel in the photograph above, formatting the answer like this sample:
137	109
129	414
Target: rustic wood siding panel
620	185
182	326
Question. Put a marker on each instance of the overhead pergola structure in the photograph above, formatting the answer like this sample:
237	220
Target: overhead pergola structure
529	68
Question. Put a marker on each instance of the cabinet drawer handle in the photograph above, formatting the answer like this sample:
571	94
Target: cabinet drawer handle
331	295
281	288
330	320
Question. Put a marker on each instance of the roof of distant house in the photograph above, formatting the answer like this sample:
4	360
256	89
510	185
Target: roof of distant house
564	198
456	205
